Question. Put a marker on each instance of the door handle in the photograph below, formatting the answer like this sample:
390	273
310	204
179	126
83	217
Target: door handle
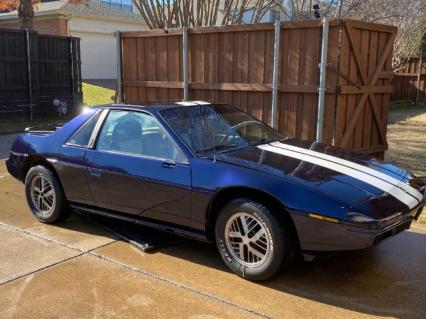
94	172
168	164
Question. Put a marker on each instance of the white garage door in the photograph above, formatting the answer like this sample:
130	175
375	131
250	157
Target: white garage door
98	55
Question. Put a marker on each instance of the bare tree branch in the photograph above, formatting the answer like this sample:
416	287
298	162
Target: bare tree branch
408	15
160	14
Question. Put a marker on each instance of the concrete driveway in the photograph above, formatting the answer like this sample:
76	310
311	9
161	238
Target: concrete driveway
77	270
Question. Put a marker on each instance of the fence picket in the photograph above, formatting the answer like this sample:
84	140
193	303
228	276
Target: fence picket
233	64
29	81
410	82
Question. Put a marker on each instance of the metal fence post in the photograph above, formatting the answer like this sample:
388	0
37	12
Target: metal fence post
185	63
72	70
418	79
30	89
275	74
322	86
119	95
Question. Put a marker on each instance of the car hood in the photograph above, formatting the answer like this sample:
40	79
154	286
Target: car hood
350	177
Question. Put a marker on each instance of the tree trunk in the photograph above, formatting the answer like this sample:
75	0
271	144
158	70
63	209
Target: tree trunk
26	14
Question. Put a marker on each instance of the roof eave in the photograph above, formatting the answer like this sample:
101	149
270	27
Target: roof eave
37	14
70	14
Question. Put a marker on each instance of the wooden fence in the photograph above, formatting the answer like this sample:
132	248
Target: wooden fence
234	64
35	69
410	82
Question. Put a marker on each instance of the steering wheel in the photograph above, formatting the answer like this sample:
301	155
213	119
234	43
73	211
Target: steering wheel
246	123
228	138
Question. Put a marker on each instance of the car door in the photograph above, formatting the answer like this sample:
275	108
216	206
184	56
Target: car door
136	168
70	165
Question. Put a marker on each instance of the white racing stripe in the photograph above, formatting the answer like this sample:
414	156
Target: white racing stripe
192	103
407	188
396	192
186	103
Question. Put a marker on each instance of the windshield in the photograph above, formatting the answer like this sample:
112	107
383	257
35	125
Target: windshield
206	128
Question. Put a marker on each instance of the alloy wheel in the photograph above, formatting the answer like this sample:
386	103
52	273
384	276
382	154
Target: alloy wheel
247	239
42	193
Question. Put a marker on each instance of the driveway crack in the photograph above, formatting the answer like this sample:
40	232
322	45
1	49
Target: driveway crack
180	285
21	230
150	275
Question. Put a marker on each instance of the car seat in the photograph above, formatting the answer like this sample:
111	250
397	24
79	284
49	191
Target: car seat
127	137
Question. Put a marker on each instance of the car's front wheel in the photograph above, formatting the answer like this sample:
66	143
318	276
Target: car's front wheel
45	196
253	242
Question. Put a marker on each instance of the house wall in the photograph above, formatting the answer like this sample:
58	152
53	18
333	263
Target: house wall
98	45
44	25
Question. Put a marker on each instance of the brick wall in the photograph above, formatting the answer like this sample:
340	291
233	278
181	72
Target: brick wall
52	26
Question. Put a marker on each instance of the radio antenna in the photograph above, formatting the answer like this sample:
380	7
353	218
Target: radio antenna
214	144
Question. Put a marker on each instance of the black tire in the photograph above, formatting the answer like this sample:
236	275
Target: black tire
59	209
278	233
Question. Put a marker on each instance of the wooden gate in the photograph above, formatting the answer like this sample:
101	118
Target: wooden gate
233	64
364	86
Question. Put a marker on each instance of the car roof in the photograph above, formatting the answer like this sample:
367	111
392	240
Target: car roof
154	107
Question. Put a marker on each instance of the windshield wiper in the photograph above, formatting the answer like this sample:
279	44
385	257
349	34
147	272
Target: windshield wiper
263	141
217	148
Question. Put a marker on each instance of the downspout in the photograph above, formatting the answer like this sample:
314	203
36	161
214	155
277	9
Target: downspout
69	17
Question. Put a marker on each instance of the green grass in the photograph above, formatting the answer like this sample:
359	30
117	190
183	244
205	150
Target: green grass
406	137
404	110
95	95
92	95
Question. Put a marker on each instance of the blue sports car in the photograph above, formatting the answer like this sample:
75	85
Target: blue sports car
214	173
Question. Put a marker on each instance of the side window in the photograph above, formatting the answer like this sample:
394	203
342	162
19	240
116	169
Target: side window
82	136
137	133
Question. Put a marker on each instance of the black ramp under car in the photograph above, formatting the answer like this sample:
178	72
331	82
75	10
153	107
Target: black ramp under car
142	237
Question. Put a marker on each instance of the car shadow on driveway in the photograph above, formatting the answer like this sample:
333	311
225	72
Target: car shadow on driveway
386	280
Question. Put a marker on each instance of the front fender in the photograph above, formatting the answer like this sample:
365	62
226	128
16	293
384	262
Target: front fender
209	178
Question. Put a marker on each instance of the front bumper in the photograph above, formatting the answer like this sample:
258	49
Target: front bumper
317	236
423	209
420	212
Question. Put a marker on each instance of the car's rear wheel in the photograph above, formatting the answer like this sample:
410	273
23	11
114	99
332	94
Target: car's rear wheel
253	242
45	195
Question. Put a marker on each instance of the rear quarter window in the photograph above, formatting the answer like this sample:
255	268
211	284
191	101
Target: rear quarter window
82	136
